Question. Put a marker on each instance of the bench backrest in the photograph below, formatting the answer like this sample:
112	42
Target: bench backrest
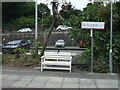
58	56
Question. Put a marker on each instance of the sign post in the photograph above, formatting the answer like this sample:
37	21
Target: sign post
92	50
92	25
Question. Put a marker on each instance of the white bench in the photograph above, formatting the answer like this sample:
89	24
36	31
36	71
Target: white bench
55	60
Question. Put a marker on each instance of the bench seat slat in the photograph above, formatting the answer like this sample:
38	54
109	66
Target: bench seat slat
58	58
56	63
61	68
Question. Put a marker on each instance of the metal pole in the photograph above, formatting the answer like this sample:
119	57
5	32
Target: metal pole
91	50
110	56
42	25
36	31
36	27
42	20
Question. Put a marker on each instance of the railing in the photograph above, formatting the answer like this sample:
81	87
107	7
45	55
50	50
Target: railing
63	48
73	50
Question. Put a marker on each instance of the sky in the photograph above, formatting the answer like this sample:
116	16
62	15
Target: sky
79	4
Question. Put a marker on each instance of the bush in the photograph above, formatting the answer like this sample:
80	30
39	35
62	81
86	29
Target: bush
82	61
18	52
19	23
101	51
101	65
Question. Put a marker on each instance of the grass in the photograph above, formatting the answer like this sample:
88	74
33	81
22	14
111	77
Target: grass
81	61
22	61
34	60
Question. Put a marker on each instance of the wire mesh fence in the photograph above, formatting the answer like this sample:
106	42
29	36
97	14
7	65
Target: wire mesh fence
41	37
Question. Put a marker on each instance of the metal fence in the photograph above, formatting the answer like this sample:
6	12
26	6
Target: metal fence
41	37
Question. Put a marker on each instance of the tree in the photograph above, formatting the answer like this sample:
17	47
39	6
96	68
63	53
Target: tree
99	12
21	14
55	18
43	11
13	10
17	15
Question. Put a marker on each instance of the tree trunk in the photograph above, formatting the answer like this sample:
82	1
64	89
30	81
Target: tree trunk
55	14
46	41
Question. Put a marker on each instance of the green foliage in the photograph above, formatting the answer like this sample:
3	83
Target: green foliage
101	65
46	22
17	15
98	12
37	43
14	10
43	11
67	11
82	60
23	61
23	22
18	52
34	50
116	51
101	51
78	35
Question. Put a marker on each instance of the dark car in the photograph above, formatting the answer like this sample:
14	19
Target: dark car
10	46
30	42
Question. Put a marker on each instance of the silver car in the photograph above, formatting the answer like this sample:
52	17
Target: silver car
60	43
25	30
63	27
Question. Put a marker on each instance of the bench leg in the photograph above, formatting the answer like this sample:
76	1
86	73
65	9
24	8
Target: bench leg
41	67
70	68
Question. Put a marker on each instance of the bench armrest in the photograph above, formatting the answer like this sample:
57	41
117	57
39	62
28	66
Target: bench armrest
42	59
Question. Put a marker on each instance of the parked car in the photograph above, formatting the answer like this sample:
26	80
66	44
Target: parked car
63	27
25	30
60	43
30	42
10	46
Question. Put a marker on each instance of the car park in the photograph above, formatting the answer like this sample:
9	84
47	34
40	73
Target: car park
63	27
25	30
60	43
10	46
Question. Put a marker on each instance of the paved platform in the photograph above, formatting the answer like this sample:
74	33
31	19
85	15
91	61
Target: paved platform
13	78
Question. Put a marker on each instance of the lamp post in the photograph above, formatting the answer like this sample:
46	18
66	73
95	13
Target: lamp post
36	25
43	13
36	22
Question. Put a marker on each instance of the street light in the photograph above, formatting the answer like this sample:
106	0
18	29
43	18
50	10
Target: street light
36	21
43	13
36	24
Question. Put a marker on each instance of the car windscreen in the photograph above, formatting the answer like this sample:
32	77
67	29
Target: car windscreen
60	41
14	42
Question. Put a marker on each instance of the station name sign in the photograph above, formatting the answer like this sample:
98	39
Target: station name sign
93	25
102	0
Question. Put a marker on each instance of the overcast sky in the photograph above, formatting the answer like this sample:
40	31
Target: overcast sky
79	4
